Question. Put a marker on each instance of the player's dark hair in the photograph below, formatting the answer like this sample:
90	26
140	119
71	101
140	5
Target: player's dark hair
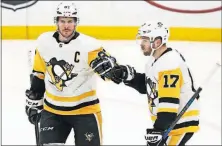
75	19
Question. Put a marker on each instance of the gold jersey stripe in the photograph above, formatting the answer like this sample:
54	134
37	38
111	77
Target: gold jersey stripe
191	113
39	64
93	54
170	110
175	140
184	130
71	99
173	97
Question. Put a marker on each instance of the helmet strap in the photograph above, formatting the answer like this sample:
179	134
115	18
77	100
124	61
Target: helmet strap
154	49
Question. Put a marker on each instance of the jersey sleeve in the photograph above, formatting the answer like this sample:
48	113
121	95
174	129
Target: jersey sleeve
138	83
169	86
93	54
94	47
38	74
39	67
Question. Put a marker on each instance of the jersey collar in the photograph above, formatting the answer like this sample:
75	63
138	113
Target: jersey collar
56	36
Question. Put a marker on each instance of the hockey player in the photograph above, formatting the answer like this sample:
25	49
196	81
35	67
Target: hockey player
63	92
168	83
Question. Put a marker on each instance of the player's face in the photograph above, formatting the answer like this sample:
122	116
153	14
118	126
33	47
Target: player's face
145	46
66	26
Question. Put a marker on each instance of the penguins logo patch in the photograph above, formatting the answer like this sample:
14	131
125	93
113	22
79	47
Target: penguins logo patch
60	72
152	93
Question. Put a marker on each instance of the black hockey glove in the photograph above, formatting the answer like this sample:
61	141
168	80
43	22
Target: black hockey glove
34	106
103	64
121	73
34	100
154	137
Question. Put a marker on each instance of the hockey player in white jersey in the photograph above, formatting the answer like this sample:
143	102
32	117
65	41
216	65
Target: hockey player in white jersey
168	83
63	86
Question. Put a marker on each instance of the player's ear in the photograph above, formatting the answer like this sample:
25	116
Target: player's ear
158	41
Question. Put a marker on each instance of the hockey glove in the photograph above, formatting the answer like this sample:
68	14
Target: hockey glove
154	137
103	64
121	73
34	106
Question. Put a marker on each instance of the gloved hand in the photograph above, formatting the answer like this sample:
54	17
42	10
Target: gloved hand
121	73
34	106
154	137
103	64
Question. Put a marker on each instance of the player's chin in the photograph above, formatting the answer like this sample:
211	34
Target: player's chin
146	53
67	34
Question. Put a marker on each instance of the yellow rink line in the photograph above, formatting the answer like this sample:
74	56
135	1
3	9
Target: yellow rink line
115	32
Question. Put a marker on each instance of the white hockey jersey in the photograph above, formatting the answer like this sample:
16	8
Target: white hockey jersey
169	87
69	81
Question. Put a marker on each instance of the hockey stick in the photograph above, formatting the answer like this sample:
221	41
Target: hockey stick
212	72
37	132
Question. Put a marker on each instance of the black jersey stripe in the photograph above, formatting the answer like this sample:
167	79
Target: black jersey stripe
169	100
62	108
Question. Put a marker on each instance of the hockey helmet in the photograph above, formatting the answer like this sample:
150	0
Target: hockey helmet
154	30
67	9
